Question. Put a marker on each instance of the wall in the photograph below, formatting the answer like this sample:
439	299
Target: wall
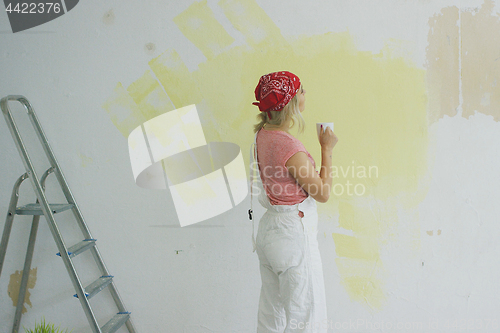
412	89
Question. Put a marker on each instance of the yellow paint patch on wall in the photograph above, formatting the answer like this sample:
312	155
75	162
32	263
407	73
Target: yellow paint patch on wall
123	111
361	220
15	285
363	281
364	291
360	247
253	22
481	61
86	161
149	96
378	103
443	74
199	25
174	76
143	100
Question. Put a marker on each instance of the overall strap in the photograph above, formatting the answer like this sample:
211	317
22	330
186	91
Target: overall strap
253	158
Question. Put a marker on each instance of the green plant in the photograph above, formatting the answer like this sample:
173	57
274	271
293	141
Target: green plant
45	328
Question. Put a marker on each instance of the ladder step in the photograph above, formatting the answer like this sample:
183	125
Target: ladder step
78	248
116	322
92	289
35	209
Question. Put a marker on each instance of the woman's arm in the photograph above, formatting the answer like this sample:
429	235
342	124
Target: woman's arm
301	168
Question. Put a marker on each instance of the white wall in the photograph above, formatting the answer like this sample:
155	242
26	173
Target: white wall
69	67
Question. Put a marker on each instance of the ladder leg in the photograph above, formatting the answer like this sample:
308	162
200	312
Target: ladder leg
114	292
10	218
80	291
26	274
5	239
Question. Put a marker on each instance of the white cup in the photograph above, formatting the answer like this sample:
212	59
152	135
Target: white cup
325	125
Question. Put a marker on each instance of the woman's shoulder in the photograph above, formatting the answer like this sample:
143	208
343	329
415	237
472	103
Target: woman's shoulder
278	134
281	140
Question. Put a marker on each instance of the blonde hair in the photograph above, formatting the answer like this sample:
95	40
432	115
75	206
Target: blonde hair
291	110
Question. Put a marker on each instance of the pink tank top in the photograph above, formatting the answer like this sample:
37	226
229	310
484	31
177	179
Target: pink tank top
274	148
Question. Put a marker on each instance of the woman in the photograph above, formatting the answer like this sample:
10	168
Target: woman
293	293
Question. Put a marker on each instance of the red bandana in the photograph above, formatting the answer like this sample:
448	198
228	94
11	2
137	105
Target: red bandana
275	90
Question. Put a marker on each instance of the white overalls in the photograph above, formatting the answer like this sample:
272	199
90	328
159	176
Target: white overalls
292	297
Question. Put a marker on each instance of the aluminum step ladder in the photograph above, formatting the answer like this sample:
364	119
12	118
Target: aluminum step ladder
42	207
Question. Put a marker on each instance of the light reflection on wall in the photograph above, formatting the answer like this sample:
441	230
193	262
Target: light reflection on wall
170	151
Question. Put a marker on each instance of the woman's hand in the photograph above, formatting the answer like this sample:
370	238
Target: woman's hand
327	139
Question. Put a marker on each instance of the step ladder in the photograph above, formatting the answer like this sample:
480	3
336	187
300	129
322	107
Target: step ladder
42	207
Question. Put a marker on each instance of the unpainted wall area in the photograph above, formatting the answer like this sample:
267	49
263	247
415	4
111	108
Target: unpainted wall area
408	236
